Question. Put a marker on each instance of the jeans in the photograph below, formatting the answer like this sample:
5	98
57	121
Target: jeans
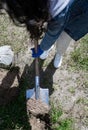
73	19
55	27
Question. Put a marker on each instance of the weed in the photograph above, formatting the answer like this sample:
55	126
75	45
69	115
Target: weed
55	114
65	125
57	124
71	90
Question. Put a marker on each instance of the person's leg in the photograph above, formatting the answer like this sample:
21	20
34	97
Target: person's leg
54	29
62	44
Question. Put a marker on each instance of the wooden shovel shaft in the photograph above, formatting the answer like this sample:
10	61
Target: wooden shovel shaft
37	86
36	59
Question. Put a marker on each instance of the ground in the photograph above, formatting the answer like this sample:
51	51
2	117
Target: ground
67	87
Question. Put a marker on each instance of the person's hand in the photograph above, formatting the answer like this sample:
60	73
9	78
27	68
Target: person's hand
39	52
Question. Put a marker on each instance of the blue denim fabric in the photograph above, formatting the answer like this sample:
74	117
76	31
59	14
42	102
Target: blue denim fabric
55	27
77	25
73	19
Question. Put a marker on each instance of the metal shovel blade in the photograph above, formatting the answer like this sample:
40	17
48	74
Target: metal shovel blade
43	95
37	92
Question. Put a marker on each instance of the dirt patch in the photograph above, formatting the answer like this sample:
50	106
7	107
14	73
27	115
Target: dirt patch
37	107
40	122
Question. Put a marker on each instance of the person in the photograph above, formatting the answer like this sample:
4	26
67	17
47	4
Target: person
67	20
69	23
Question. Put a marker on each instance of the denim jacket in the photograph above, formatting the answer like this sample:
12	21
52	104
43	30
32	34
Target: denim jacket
77	25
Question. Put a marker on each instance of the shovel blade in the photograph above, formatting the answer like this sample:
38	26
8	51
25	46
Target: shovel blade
30	93
43	96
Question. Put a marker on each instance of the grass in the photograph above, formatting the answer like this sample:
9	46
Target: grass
55	114
65	125
79	58
78	61
71	90
60	124
12	35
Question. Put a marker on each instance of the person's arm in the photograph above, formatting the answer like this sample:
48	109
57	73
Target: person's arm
52	33
54	29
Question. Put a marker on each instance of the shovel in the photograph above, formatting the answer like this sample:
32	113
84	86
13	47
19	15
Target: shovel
37	92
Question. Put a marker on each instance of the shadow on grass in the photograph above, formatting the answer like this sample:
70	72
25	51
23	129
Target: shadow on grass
8	90
14	115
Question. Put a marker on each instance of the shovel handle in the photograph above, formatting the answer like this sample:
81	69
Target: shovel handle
37	87
36	59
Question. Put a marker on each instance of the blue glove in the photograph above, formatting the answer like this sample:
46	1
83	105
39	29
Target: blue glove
39	52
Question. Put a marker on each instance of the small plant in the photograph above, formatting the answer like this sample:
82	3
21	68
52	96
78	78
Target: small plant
57	123
71	90
65	124
55	114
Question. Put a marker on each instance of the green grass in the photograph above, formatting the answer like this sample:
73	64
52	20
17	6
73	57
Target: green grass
13	35
79	58
65	125
55	114
72	90
60	124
